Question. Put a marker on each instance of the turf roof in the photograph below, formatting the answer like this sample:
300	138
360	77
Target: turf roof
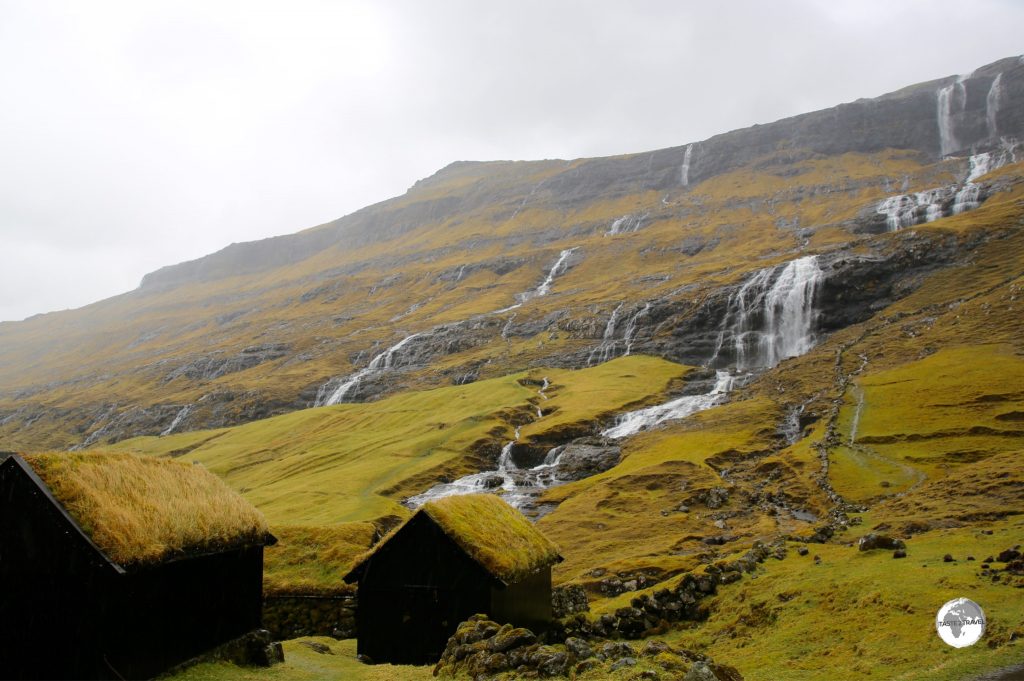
141	510
491	532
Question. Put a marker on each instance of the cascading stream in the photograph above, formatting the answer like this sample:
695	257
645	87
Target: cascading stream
385	361
769	318
906	210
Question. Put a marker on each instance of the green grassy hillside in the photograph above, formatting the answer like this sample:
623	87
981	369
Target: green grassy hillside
357	461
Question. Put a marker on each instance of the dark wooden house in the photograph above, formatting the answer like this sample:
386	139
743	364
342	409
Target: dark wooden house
453	558
116	566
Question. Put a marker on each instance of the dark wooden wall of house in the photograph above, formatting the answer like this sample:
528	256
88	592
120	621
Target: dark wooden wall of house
527	603
156	618
414	592
66	613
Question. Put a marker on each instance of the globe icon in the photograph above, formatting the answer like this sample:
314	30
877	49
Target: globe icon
960	622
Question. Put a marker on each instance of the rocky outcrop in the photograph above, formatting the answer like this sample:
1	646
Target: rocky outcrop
218	363
586	456
481	649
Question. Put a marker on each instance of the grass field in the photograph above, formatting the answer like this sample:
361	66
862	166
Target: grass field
355	461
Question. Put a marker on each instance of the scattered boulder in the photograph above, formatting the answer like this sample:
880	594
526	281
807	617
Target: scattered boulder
1008	555
948	558
880	541
899	553
714	498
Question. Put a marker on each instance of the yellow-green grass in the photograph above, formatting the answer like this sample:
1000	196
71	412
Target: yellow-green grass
865	615
139	510
302	663
924	418
353	461
627	518
314	560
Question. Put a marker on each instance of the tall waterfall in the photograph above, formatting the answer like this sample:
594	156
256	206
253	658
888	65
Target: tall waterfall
684	170
992	105
771	316
326	396
949	100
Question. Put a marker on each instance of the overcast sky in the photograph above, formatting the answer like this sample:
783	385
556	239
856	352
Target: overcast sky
140	134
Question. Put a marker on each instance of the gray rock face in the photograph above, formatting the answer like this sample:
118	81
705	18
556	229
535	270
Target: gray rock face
217	365
588	456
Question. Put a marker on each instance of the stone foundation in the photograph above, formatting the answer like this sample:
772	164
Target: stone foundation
292	616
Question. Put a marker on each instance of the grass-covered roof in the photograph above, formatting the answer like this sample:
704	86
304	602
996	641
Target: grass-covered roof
491	532
142	510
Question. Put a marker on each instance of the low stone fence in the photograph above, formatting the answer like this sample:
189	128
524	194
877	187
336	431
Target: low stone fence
291	616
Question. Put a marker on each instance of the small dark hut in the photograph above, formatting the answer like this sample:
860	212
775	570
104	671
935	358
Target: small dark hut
117	566
454	558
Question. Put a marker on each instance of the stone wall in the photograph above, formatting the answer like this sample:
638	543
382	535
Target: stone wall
291	616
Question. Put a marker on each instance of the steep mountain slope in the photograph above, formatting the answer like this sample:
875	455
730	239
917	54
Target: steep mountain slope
262	328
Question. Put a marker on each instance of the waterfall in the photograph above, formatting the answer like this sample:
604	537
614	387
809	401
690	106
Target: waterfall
631	326
379	364
946	103
633	422
626	224
907	210
609	344
545	288
771	316
607	347
992	105
556	269
178	418
684	170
